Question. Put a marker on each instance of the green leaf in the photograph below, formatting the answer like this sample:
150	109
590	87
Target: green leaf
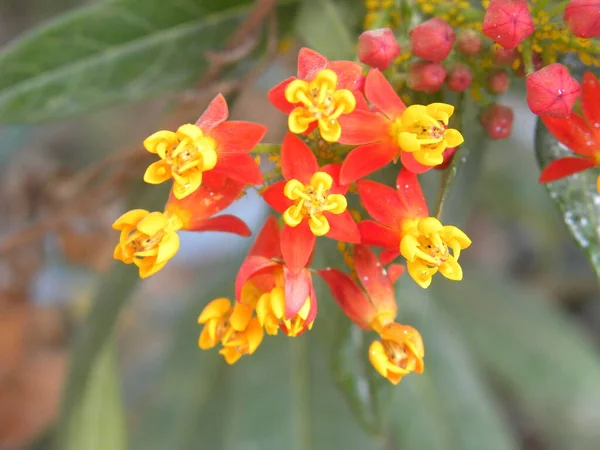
111	52
321	25
450	405
575	196
460	178
547	364
98	421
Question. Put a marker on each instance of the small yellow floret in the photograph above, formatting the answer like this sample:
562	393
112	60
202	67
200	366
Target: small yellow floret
270	310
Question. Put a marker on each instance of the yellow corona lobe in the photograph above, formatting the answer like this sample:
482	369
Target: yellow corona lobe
184	156
429	247
399	352
311	201
319	100
422	131
148	240
270	310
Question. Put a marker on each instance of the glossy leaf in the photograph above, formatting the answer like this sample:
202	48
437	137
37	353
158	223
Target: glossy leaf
542	359
575	196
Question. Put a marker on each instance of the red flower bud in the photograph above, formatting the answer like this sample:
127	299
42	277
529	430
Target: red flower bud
432	40
459	78
448	157
425	76
504	56
583	18
468	42
508	22
552	91
497	121
378	48
497	81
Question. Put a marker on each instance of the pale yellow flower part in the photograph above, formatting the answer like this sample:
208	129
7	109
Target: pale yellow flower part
270	311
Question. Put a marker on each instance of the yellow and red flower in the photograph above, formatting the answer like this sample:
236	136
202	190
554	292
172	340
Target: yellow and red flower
418	135
212	144
319	95
580	133
402	226
312	202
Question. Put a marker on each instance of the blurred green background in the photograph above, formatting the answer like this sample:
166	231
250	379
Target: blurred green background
92	358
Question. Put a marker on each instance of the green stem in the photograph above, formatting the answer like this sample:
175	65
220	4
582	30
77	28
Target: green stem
266	149
528	57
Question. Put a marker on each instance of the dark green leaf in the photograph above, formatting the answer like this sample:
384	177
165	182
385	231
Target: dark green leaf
450	405
542	358
575	196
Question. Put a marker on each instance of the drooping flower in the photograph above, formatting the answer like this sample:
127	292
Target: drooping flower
212	144
508	22
402	226
497	120
552	91
432	40
378	48
321	93
580	133
312	202
583	18
418	135
399	352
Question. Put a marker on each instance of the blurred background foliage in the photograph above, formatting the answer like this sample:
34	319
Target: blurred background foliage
91	358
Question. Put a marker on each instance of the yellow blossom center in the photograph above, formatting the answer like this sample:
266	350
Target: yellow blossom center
312	201
184	155
319	100
270	310
428	246
423	131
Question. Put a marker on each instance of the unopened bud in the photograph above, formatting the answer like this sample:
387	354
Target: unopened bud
497	81
378	48
508	22
583	18
432	40
503	56
468	42
459	78
552	91
426	76
497	121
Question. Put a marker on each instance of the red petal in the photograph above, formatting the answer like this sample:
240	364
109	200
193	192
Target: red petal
312	314
237	136
374	278
387	256
349	74
365	160
277	96
343	228
250	267
351	299
297	245
297	289
267	242
363	127
334	170
573	132
240	167
309	63
216	113
382	203
395	271
411	195
225	223
590	98
410	163
372	233
274	197
297	159
563	167
382	95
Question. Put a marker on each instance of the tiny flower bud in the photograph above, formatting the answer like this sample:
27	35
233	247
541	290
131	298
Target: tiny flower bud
552	91
459	78
497	81
508	22
448	157
432	40
583	18
468	42
378	48
497	121
502	56
426	76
